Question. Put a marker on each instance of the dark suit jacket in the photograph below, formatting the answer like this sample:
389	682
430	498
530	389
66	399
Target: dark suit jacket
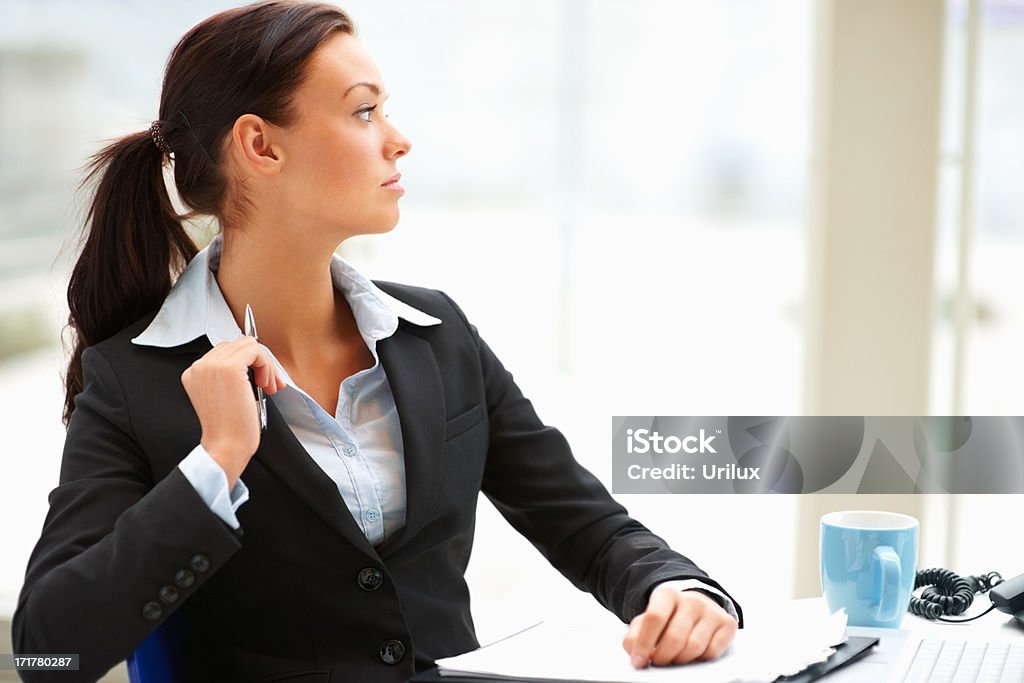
126	532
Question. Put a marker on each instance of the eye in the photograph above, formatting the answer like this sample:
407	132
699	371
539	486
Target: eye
367	111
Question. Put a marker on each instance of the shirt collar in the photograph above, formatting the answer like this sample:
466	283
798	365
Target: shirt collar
195	305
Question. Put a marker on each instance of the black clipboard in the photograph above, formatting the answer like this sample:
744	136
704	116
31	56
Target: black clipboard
854	648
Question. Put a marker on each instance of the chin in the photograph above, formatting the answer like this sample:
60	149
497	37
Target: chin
383	226
388	224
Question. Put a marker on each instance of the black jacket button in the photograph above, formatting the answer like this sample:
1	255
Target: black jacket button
370	579
169	594
184	578
392	651
152	611
199	563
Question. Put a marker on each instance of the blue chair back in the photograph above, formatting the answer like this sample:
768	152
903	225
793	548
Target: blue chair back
160	657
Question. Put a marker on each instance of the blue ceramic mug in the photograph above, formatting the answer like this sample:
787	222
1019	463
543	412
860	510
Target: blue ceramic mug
868	561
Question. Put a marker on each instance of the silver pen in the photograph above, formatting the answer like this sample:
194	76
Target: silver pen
261	399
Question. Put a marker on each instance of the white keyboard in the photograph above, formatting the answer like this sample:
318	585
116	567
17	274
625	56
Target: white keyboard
958	661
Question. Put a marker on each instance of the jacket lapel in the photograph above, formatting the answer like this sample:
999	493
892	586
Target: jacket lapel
415	381
283	454
193	349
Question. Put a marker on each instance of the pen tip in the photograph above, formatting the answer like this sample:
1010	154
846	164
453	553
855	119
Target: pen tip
248	322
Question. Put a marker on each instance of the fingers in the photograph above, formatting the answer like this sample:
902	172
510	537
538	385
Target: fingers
676	648
721	640
650	625
265	373
678	627
268	376
243	353
248	352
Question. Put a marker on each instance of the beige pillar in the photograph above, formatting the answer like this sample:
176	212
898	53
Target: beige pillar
876	136
869	303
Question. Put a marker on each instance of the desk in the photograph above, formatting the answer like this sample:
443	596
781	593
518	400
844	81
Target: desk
874	667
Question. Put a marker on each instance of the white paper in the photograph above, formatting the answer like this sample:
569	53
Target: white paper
562	650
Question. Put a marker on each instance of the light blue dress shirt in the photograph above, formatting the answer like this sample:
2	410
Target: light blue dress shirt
360	446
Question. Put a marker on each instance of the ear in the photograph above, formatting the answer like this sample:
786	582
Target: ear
258	144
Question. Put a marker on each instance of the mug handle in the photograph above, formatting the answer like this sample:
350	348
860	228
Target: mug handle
889	562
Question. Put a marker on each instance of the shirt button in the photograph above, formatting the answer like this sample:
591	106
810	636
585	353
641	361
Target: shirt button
370	579
372	515
349	450
168	594
392	651
153	611
184	578
199	563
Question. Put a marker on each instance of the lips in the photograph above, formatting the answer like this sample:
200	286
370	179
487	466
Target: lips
392	184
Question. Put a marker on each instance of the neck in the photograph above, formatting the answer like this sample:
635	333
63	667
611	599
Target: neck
289	286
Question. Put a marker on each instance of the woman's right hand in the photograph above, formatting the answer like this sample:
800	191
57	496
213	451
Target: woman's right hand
218	386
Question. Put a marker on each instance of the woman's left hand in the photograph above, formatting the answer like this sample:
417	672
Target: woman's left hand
678	627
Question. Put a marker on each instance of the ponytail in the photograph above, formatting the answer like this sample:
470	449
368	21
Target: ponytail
133	240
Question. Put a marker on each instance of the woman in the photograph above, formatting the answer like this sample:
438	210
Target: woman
356	502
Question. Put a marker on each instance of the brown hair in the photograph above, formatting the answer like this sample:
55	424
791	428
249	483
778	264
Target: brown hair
249	59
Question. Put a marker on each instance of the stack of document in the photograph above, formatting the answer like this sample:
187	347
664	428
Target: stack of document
566	651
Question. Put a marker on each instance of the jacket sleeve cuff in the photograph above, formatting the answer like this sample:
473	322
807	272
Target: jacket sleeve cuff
711	591
211	483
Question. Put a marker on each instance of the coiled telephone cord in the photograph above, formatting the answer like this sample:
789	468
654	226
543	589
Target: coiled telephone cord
949	594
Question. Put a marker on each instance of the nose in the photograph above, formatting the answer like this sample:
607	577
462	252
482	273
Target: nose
397	145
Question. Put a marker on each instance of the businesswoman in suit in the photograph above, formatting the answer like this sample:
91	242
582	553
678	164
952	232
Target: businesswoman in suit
332	545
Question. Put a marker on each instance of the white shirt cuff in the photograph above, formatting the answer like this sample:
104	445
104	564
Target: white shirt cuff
691	584
211	483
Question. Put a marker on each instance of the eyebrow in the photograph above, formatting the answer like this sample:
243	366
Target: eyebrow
372	86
